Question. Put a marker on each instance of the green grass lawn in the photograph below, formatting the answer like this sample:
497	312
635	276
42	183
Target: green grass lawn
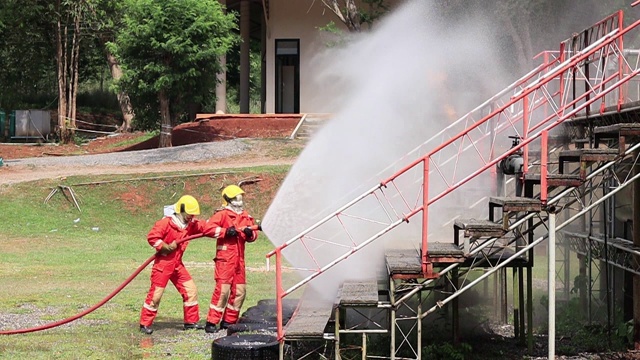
58	261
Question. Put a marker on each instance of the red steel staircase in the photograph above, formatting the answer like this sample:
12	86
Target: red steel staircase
576	88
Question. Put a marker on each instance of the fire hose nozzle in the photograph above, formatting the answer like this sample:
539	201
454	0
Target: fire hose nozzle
257	226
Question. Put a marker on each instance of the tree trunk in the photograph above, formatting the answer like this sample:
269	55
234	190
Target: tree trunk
62	81
353	15
73	72
165	120
123	97
348	16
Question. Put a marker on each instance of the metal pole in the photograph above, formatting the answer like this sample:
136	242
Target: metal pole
504	298
496	296
392	322
364	346
419	325
589	279
336	343
521	303
529	310
516	302
455	311
552	284
636	242
426	264
607	286
279	296
567	268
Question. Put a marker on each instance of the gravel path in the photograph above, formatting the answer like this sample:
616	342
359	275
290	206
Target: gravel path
185	153
237	153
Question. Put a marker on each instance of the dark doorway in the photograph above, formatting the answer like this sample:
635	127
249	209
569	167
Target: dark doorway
287	76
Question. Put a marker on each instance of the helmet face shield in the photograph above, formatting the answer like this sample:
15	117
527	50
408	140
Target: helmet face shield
236	203
231	192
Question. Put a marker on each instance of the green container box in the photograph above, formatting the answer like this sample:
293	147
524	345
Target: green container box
2	120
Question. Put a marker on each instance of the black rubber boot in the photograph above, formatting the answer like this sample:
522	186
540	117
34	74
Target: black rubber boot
224	325
146	330
188	326
210	328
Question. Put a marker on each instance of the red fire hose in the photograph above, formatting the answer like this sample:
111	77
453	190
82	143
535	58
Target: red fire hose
96	306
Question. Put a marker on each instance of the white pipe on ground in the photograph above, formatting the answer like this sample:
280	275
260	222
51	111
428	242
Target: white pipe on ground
552	284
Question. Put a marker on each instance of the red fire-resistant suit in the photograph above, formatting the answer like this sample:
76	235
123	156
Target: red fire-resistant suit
170	267
229	273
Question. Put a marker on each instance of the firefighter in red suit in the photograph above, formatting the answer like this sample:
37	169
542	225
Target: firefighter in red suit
168	264
232	227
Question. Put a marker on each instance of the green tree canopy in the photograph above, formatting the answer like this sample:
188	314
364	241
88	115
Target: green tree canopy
169	51
26	51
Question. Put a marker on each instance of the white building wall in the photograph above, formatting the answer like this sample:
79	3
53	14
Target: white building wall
296	19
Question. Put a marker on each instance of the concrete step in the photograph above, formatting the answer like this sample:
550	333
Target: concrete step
555	180
310	124
473	230
620	132
512	205
585	157
478	228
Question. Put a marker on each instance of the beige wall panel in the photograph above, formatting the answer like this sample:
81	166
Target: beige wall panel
296	19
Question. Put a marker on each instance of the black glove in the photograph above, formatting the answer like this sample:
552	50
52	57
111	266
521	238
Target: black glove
259	227
231	232
248	232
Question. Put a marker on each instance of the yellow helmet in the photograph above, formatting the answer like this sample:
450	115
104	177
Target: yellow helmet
230	192
187	204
